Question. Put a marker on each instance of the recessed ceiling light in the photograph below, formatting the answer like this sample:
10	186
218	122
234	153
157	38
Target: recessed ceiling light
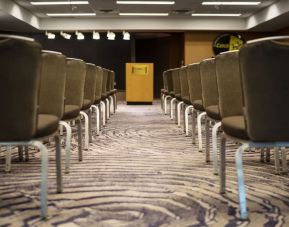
143	14
79	35
110	35
70	14
50	35
216	14
231	3
65	35
146	2
60	3
126	35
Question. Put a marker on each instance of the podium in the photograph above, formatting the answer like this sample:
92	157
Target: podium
139	83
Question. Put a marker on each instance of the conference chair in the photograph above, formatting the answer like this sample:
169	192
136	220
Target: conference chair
89	97
22	125
176	94
74	93
104	99
164	90
195	89
210	98
96	107
169	94
264	75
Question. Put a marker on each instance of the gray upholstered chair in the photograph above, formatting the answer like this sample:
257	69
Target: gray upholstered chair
195	89
74	93
164	90
19	88
185	97
89	95
176	94
113	91
170	92
104	98
210	97
264	75
230	95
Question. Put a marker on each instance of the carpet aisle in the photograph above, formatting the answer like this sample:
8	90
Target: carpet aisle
142	171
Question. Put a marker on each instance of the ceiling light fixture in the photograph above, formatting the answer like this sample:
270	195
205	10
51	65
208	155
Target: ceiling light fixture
231	3
95	35
145	2
70	14
126	35
79	35
110	35
65	35
59	3
144	14
216	14
50	35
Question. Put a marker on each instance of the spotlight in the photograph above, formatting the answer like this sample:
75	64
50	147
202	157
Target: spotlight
110	35
79	35
95	35
50	35
65	35
126	35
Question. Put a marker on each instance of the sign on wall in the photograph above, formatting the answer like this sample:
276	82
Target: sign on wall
227	42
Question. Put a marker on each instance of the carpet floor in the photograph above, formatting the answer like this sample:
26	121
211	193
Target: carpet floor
142	171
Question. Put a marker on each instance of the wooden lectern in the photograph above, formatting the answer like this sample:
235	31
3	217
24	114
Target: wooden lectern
139	83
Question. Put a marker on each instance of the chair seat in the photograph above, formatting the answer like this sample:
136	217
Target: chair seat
86	104
47	124
235	126
213	112
178	97
172	94
103	96
198	105
187	100
70	112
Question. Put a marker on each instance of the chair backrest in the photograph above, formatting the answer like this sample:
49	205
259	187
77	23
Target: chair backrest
52	83
229	84
184	82
170	80
20	62
265	78
209	82
90	82
104	81
176	81
112	80
165	80
75	79
98	87
108	82
194	81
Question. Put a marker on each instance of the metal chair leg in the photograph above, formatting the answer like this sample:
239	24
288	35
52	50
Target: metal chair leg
207	131
214	146
67	145
79	132
86	130
199	121
58	164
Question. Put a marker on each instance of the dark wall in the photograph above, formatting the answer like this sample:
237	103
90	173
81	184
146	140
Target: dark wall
111	54
164	52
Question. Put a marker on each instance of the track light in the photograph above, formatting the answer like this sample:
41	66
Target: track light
110	35
50	35
79	35
126	35
95	35
65	35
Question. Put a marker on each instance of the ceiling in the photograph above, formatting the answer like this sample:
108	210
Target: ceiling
109	8
20	15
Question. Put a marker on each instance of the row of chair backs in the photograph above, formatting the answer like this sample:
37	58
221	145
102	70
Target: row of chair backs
209	82
20	62
99	81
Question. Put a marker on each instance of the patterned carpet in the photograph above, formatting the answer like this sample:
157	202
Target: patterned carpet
142	171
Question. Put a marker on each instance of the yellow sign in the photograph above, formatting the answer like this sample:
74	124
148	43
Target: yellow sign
140	69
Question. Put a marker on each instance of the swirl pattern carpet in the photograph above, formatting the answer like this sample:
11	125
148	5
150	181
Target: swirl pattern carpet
142	171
